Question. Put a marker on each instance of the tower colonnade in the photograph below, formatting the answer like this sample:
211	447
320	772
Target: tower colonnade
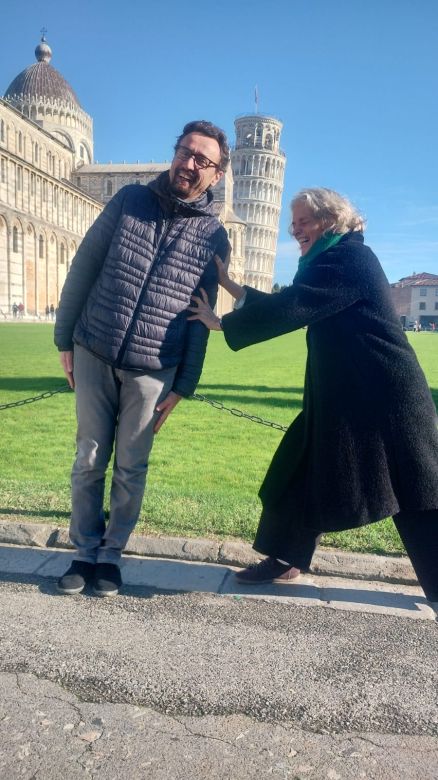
258	170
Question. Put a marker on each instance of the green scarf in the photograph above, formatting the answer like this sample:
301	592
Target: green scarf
326	241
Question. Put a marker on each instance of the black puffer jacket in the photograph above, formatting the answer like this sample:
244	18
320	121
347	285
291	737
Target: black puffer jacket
125	298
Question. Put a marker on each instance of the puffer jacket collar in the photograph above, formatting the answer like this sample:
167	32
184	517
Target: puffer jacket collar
171	204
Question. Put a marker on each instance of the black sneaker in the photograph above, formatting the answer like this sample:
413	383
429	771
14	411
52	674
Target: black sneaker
76	578
268	570
107	579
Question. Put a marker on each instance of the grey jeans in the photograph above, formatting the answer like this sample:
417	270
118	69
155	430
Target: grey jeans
115	408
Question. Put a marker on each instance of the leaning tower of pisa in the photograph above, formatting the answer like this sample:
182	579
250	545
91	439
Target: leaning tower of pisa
258	171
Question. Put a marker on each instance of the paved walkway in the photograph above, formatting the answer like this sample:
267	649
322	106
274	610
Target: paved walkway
189	674
182	576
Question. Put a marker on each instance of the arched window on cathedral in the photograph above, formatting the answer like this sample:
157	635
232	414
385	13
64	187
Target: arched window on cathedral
62	255
20	142
15	239
3	170
109	187
41	247
2	131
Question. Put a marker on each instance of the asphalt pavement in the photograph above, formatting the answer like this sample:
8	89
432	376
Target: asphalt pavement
187	674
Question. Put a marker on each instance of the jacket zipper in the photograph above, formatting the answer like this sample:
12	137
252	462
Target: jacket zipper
125	341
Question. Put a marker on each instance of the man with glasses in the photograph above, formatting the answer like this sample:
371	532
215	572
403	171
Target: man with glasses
125	344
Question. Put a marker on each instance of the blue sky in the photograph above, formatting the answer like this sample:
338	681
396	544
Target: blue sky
354	82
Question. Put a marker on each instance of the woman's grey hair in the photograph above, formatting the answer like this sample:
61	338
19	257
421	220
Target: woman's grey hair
333	210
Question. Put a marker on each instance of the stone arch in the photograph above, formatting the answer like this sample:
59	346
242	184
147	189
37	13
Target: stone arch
85	156
30	269
62	266
16	261
5	301
52	269
27	147
73	248
42	252
17	231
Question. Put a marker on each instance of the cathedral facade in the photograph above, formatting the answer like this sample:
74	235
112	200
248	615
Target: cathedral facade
51	190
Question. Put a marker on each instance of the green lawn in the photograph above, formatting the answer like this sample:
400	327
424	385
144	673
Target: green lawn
206	464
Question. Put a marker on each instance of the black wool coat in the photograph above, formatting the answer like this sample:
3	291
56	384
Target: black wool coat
365	445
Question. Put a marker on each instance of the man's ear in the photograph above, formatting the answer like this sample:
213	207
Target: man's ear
217	177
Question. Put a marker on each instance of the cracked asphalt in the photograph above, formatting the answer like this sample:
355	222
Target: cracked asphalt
155	684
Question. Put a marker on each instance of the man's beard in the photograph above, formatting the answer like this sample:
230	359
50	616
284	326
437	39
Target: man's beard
180	189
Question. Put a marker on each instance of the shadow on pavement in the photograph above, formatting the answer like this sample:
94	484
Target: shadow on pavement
146	577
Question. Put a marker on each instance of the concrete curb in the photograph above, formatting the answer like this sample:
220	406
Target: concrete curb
396	569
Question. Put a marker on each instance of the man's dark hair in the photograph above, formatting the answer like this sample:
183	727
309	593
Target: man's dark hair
203	127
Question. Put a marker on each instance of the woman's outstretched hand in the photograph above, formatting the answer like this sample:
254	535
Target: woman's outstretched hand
204	312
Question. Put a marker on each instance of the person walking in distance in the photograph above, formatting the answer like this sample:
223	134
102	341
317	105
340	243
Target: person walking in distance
126	344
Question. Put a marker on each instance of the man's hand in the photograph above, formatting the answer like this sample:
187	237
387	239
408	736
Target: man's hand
66	359
165	408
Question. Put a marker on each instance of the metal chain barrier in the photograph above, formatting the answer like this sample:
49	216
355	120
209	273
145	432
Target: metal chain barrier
47	394
238	413
215	404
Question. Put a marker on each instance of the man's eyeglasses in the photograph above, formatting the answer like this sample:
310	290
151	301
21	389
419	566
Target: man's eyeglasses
184	153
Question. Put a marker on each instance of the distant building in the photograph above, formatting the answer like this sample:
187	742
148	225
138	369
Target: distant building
416	299
51	190
44	133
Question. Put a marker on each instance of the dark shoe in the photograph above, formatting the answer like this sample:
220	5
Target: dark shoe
107	579
76	578
268	570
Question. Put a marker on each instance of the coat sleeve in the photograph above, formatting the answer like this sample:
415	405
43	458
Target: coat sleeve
190	367
84	270
320	291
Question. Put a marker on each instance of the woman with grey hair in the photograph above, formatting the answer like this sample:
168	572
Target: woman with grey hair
365	445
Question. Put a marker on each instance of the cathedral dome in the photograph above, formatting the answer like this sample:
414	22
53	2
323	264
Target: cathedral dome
41	81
